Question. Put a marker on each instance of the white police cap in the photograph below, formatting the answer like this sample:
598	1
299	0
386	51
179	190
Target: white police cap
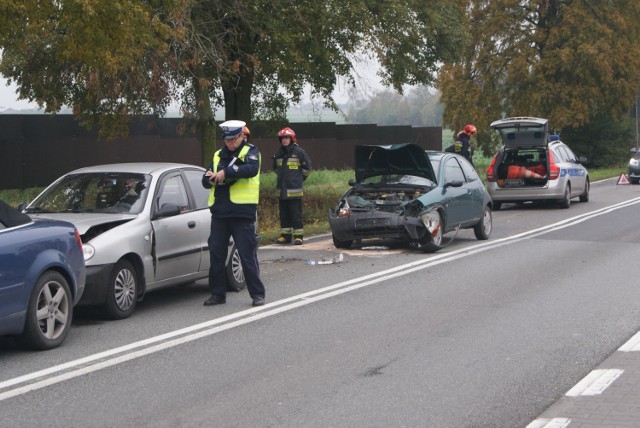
231	128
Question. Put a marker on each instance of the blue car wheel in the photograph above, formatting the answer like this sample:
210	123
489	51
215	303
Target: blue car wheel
49	314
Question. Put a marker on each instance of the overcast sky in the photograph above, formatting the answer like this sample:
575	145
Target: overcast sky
367	85
9	99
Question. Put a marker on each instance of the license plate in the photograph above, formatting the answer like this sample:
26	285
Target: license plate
369	222
513	183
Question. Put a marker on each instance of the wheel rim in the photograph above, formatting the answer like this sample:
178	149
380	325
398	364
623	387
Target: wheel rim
125	289
236	267
433	222
486	222
52	310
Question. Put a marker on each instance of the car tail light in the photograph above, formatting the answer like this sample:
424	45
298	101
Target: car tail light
491	176
78	240
554	169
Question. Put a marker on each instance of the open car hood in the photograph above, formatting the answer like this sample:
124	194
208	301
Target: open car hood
405	159
523	131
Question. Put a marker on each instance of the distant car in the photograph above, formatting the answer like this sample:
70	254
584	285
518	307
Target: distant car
533	165
634	166
42	276
402	192
143	226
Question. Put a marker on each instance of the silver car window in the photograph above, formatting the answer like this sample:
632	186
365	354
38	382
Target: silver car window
102	192
572	156
172	191
201	195
560	154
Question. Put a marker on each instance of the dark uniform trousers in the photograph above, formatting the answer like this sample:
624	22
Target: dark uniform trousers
246	240
291	215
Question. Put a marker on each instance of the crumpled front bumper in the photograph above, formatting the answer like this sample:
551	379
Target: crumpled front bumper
377	224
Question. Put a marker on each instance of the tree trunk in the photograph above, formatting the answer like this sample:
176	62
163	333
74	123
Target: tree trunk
206	125
237	97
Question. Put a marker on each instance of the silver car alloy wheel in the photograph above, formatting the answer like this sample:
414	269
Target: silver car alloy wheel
236	267
52	311
125	289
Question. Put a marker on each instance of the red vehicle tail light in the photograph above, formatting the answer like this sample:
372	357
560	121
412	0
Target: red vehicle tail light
78	240
491	170
554	170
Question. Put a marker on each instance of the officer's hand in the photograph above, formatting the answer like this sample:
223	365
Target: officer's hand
218	177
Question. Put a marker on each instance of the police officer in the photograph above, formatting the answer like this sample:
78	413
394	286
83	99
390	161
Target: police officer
234	180
292	167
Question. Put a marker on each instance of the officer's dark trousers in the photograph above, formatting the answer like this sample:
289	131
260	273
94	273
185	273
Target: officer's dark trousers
290	213
244	236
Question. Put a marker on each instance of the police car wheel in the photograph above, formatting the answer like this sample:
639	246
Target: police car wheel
585	195
565	202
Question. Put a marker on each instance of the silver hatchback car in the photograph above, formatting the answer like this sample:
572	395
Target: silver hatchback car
143	226
533	165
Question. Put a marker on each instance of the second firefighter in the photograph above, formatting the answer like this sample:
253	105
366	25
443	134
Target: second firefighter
292	167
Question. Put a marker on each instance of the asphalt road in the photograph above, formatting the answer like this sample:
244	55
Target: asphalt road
481	334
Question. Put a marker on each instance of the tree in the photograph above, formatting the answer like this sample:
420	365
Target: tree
571	61
111	60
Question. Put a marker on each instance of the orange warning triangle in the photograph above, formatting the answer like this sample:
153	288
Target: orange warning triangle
623	179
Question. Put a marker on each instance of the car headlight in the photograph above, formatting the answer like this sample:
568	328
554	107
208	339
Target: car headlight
634	162
88	251
344	210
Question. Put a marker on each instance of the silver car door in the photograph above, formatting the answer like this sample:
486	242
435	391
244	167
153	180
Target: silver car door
200	197
177	238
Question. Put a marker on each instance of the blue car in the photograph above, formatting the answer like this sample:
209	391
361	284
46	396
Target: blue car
42	277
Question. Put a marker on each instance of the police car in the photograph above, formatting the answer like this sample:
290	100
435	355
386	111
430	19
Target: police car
534	165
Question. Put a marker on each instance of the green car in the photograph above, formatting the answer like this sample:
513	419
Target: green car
406	193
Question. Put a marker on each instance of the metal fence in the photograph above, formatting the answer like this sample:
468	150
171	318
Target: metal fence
37	149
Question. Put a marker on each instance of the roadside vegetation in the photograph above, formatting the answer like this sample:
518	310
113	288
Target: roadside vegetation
322	190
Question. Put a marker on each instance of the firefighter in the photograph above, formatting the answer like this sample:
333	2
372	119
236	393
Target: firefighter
234	180
292	167
462	145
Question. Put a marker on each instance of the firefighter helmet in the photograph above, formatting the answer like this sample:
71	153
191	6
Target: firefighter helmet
470	130
287	132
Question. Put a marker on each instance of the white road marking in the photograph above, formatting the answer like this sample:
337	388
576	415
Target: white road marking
42	378
594	383
550	423
632	344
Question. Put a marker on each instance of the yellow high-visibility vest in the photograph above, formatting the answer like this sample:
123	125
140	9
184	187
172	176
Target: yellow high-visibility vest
244	190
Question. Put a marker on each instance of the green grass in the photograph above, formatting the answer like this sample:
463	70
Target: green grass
321	190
